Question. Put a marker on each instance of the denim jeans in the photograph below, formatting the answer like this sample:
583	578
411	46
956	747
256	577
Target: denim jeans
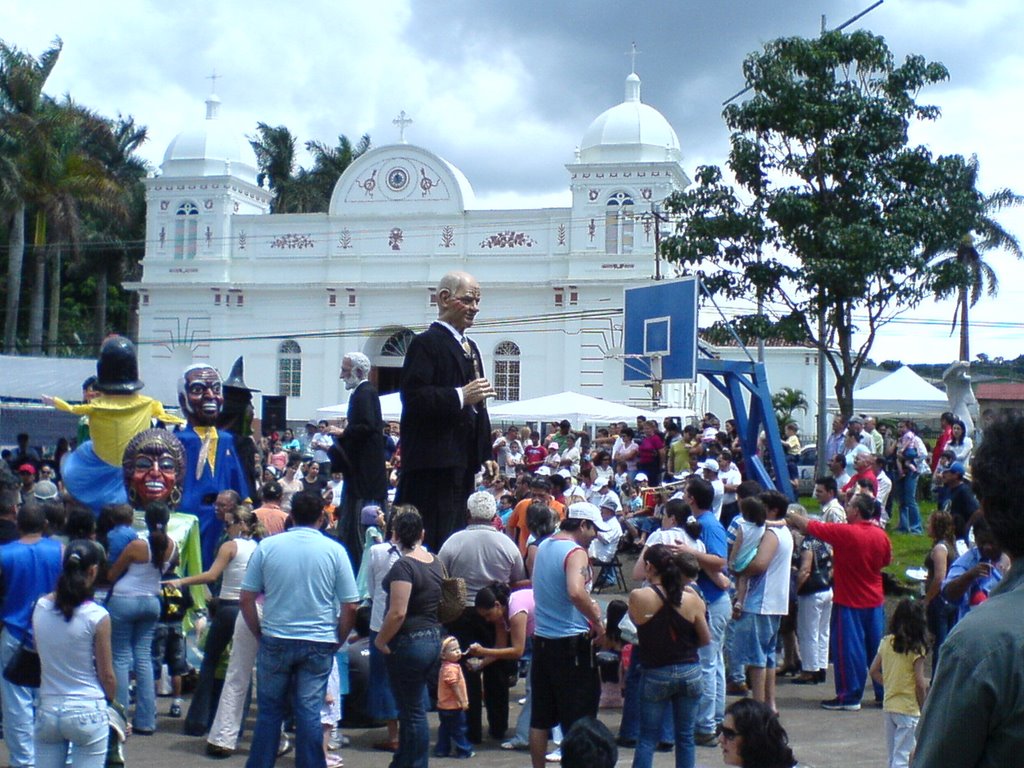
18	705
941	620
132	622
80	723
910	515
295	670
412	666
451	729
629	726
711	710
676	688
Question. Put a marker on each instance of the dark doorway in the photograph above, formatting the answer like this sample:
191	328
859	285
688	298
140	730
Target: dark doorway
387	380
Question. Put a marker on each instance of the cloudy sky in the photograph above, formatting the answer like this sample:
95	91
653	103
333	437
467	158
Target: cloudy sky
505	90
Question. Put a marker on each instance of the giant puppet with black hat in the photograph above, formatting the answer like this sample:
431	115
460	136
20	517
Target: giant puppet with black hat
236	417
212	463
92	472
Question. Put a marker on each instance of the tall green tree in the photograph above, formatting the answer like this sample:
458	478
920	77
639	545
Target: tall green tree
836	212
113	240
275	154
297	189
963	271
59	176
22	78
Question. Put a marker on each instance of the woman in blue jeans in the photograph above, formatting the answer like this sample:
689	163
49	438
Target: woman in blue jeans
134	607
671	627
410	636
72	635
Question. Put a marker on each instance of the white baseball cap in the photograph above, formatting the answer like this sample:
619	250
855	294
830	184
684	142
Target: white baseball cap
584	510
708	464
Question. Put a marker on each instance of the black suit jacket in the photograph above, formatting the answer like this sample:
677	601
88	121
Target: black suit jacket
436	432
359	452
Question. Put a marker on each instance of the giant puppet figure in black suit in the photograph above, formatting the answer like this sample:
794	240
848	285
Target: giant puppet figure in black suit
445	428
358	453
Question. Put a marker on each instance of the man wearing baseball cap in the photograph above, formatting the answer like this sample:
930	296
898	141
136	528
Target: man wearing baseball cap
962	501
709	470
564	676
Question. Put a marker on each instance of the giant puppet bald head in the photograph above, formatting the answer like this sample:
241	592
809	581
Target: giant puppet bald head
201	395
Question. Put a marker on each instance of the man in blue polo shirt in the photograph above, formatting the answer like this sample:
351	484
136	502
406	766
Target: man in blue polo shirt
310	601
700	497
29	567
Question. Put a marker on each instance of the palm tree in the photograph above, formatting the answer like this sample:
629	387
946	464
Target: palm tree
22	78
112	241
275	154
963	270
59	176
785	402
328	165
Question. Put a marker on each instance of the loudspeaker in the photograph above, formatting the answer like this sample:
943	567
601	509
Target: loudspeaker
274	416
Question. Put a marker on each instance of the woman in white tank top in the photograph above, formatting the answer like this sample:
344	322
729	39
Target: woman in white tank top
134	607
229	566
72	635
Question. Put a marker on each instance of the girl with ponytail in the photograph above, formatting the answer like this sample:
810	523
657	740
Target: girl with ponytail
134	607
72	635
671	627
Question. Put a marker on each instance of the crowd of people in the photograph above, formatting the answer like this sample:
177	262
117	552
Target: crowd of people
465	558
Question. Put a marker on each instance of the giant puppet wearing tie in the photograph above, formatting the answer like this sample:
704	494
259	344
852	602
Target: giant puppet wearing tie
211	461
446	431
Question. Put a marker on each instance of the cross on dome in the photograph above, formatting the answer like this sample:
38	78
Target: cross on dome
402	121
213	81
633	52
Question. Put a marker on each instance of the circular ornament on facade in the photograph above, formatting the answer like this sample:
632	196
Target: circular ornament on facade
397	179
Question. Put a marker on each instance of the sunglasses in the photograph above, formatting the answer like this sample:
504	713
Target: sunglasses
727	733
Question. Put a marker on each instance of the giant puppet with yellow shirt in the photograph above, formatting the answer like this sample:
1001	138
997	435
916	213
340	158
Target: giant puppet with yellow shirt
92	473
212	463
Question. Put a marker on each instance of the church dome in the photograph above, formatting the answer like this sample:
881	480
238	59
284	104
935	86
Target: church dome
210	149
630	132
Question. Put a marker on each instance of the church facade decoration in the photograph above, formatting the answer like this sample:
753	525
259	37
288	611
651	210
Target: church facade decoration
508	239
292	242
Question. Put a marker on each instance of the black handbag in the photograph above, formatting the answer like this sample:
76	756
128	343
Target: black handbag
23	667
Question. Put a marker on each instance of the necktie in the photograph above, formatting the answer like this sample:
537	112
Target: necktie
468	350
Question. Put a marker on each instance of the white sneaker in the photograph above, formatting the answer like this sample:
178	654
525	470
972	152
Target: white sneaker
553	757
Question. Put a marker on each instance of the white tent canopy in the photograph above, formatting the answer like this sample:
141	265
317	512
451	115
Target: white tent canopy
902	392
390	408
578	409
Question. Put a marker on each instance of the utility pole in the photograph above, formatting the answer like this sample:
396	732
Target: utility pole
658	218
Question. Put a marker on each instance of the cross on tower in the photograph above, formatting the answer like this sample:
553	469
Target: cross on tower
213	81
402	121
632	53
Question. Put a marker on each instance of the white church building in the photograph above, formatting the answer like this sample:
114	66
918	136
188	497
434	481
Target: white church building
222	277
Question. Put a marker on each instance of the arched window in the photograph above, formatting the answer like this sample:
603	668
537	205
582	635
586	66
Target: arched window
506	371
186	231
289	369
618	224
397	343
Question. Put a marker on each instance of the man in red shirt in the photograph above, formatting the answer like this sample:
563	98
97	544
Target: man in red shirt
864	463
860	550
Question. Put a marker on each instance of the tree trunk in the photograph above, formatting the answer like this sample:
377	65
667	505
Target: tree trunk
53	325
100	321
965	331
15	261
38	301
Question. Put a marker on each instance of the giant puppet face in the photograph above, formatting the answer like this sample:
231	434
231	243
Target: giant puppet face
201	396
154	465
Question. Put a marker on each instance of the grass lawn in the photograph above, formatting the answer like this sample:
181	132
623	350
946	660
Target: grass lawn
908	550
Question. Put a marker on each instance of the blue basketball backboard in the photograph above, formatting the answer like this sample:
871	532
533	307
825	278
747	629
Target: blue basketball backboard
661	320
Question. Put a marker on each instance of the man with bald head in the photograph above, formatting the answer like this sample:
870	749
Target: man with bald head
445	426
358	453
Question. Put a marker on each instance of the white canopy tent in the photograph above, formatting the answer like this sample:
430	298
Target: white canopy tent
578	409
390	408
902	392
